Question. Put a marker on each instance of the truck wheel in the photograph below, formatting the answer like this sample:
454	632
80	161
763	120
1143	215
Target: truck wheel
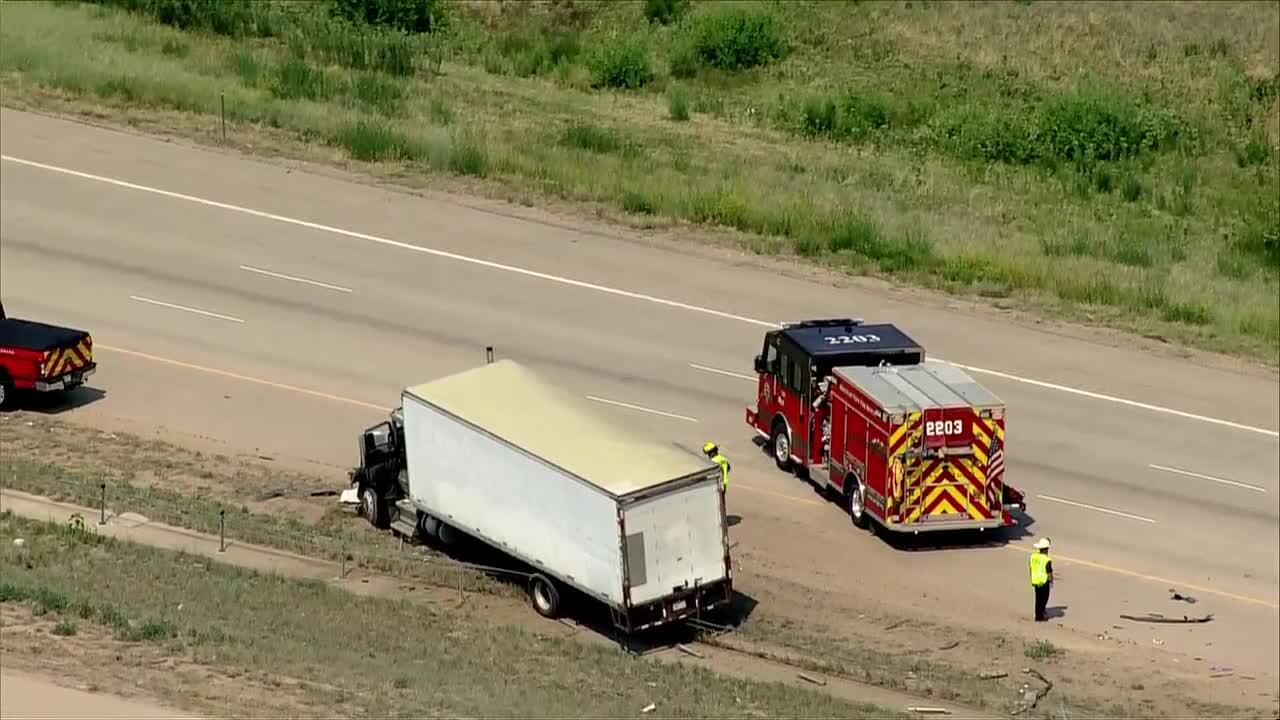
780	441
856	499
544	596
429	526
373	507
6	392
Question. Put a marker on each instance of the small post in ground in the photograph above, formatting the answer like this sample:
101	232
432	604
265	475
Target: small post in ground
102	506
488	354
343	576
223	98
222	530
462	593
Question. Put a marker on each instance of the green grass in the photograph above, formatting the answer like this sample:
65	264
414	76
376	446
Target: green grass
1128	178
435	659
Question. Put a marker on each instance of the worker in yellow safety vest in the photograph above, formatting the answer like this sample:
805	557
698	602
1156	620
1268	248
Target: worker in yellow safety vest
713	451
1041	577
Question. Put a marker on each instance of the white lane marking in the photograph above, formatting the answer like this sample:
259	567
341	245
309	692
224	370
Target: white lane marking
1188	473
1114	399
589	286
717	371
184	308
1108	511
629	406
294	278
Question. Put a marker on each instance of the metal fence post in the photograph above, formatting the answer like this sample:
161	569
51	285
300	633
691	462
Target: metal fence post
462	594
488	354
222	530
102	507
344	560
223	98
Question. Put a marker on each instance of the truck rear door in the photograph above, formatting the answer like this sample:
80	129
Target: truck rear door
674	541
951	486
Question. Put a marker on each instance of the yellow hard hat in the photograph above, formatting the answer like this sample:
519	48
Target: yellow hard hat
709	448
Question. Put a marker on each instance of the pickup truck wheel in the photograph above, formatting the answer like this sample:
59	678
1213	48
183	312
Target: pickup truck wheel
6	392
856	499
780	441
373	507
544	596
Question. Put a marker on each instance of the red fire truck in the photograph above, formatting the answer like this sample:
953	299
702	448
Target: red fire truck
910	445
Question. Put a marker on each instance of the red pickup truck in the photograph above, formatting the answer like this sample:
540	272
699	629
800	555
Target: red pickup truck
40	357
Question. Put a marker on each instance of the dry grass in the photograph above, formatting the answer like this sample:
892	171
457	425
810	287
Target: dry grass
1114	163
363	656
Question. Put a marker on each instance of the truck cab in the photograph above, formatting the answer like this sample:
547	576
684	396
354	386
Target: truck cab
380	479
793	367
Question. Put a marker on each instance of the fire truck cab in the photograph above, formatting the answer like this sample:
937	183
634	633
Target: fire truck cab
910	445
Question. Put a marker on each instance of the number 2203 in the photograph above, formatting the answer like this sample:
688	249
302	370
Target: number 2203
851	339
944	427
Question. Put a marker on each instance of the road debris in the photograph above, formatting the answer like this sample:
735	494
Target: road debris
1175	595
929	710
1227	673
1028	698
689	651
993	675
648	708
1159	618
895	625
809	678
951	645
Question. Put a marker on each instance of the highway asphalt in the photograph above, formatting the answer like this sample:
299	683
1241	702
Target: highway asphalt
286	317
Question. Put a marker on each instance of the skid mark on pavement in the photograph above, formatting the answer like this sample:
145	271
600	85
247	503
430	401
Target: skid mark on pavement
593	286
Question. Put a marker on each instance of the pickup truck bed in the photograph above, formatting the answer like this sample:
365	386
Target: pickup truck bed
37	336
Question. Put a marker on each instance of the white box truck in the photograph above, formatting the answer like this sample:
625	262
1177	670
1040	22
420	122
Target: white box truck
534	471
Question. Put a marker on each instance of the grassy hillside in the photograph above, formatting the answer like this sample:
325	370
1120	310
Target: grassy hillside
1113	162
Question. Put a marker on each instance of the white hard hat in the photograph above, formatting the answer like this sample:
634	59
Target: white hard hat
1042	544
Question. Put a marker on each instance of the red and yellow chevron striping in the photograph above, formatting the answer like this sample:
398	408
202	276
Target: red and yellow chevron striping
69	359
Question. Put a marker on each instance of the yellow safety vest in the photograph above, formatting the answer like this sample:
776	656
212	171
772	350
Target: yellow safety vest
723	462
1039	569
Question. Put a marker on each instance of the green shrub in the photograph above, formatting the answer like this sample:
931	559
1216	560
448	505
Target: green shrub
665	12
622	63
532	51
470	154
1093	127
637	202
678	103
410	16
375	141
64	628
853	117
353	46
380	93
736	38
297	80
592	138
233	18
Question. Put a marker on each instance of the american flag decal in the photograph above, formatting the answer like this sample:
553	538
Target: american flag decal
995	472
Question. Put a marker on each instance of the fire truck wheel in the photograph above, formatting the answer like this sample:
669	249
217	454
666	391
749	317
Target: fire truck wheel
856	499
373	507
780	441
544	596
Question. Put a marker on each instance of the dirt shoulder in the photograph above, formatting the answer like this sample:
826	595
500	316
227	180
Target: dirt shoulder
489	611
803	625
26	694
